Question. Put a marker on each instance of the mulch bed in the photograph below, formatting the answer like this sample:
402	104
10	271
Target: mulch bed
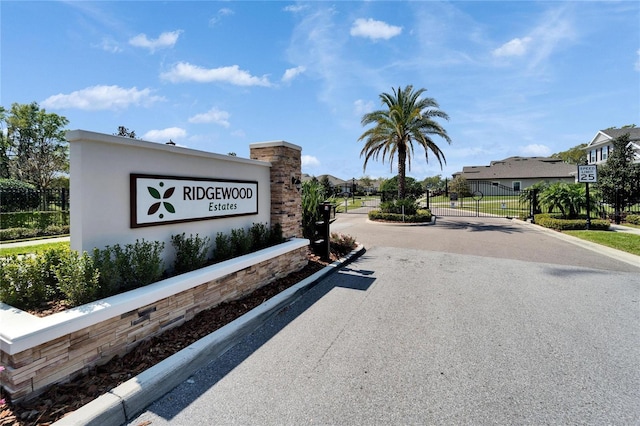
62	399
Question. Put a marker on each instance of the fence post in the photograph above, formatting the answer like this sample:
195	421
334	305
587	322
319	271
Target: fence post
617	214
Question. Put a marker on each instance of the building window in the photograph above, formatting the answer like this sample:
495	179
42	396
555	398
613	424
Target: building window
592	156
516	185
605	153
495	183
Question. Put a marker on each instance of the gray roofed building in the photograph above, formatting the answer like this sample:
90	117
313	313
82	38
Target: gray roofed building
521	172
599	149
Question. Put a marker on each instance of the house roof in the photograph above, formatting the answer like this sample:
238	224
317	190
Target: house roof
604	136
520	168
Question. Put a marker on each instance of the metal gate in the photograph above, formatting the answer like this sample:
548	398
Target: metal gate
358	204
482	198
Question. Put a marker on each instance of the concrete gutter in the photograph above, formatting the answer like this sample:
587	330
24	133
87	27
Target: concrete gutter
124	402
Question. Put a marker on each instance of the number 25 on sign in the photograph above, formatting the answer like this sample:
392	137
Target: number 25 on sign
587	174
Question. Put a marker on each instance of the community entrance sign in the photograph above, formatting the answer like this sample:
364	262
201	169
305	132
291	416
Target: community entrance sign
161	200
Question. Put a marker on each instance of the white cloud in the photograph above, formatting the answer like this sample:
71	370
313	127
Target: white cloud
164	135
515	47
218	17
214	115
184	71
361	107
101	98
292	73
536	150
167	39
109	45
310	161
374	29
295	8
637	66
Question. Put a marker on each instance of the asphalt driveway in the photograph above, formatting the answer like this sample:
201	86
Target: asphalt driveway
466	322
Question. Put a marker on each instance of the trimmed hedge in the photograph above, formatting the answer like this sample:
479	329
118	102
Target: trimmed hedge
37	220
26	233
634	219
554	221
420	216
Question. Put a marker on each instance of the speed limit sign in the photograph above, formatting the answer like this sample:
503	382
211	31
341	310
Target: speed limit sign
588	174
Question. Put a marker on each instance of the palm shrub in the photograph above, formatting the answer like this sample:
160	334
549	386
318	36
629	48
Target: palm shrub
312	196
570	199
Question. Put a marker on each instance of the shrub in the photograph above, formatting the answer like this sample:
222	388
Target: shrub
21	284
240	242
342	244
634	219
420	216
191	253
52	230
143	264
134	266
223	250
17	234
78	279
259	234
551	221
47	262
409	205
275	236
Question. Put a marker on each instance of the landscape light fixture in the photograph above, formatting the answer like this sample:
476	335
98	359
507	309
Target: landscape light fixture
296	182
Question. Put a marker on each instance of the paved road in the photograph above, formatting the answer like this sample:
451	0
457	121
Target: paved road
470	321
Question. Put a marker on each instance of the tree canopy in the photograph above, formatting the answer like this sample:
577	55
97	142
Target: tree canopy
406	118
35	149
576	155
620	173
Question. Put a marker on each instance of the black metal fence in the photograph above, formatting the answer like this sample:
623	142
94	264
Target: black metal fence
44	200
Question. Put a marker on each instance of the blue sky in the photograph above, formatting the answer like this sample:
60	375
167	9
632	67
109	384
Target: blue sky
521	78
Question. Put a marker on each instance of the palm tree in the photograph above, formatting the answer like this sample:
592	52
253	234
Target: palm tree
406	119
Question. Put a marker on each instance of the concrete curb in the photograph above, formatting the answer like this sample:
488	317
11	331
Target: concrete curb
620	255
124	402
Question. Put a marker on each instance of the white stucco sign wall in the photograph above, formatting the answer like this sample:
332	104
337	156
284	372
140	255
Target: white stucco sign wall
120	188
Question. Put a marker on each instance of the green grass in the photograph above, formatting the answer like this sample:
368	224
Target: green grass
31	249
617	240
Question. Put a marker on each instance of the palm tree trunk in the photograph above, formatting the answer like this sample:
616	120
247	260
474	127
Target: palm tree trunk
402	160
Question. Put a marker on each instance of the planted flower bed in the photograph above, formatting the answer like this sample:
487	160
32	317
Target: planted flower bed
38	352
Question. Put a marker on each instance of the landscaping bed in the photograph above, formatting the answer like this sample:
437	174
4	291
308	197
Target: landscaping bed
64	398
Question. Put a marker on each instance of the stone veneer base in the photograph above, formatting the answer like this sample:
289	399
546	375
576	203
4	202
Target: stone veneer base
38	352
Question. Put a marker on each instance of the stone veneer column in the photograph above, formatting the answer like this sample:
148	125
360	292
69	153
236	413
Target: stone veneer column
286	199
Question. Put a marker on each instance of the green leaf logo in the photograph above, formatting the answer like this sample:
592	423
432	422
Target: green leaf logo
155	207
154	192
